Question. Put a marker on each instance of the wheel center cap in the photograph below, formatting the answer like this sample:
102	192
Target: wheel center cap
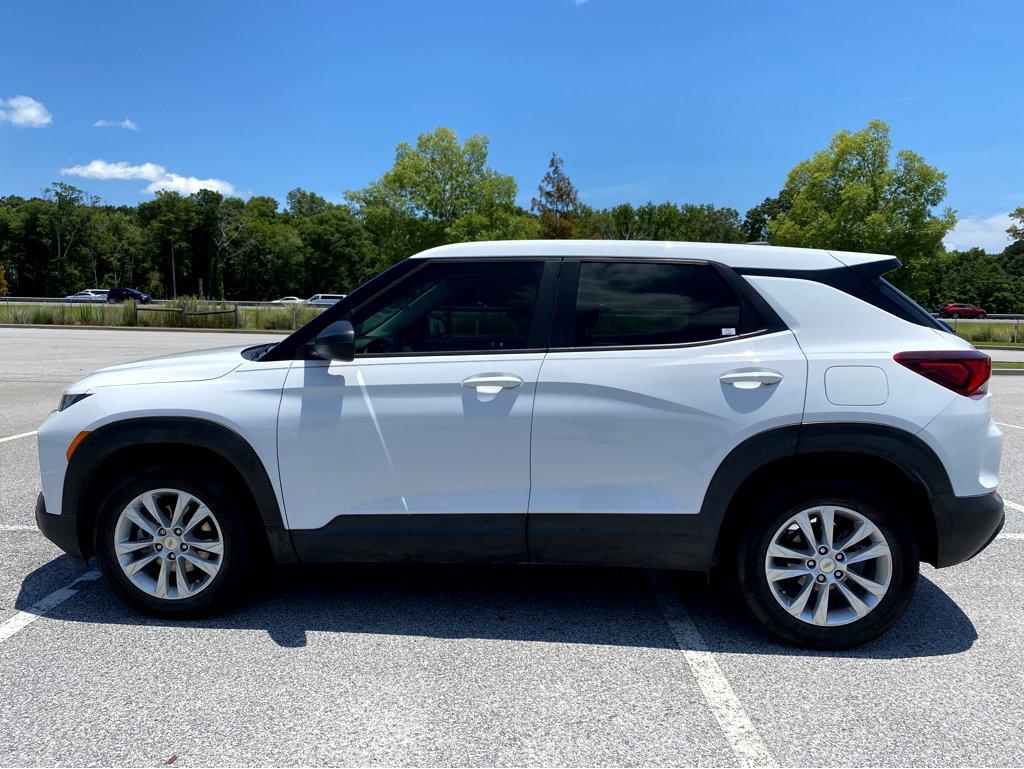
826	565
170	543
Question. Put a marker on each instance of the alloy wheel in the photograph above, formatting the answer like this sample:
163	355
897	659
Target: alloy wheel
169	544
828	565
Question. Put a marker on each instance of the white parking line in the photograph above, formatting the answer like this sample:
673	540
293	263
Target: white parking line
736	726
41	608
1007	424
19	435
18	528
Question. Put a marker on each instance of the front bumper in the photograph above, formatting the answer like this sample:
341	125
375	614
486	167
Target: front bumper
61	530
964	526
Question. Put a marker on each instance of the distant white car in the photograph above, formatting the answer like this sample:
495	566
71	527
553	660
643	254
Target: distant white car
324	300
288	300
97	295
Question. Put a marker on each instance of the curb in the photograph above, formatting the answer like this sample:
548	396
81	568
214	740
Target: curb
147	328
1008	372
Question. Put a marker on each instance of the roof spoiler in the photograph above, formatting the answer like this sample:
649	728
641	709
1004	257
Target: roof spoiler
868	266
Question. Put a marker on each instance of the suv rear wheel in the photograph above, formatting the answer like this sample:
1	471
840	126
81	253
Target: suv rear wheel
828	568
172	542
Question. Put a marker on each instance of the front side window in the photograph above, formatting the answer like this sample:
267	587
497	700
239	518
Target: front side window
638	304
450	308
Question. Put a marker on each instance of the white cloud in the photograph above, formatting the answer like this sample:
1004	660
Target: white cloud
24	112
128	124
102	169
987	232
158	176
186	185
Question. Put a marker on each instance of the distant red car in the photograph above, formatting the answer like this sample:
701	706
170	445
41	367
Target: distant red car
961	310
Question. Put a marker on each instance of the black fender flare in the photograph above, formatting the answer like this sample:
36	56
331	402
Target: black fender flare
904	450
176	431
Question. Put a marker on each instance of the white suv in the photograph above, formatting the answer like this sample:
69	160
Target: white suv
784	414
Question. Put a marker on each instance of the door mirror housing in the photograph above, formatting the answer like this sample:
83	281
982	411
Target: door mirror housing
336	342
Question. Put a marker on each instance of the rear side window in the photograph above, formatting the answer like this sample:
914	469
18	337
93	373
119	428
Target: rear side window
640	304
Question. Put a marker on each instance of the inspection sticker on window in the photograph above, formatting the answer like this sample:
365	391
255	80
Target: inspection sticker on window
728	332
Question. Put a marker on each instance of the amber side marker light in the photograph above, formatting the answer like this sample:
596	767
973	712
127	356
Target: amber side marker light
74	444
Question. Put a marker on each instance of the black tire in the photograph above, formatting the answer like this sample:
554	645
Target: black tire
757	594
955	315
239	551
982	315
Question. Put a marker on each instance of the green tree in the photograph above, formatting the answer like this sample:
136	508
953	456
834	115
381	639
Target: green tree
757	222
337	251
1016	228
119	242
850	197
3	281
663	221
440	191
69	217
168	221
557	204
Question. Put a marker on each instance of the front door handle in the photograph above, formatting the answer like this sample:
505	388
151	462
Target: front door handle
748	380
492	384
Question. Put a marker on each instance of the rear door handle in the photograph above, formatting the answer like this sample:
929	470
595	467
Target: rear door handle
748	380
492	384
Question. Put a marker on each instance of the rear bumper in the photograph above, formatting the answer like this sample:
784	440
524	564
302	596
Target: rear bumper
964	526
61	530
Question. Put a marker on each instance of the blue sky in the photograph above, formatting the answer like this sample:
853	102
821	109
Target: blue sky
687	102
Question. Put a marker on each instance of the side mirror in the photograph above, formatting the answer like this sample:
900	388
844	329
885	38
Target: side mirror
336	342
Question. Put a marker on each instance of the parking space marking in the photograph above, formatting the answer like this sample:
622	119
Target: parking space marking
18	528
736	726
1007	424
43	606
19	435
1018	535
1013	506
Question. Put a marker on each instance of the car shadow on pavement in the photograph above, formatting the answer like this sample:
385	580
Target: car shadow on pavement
553	604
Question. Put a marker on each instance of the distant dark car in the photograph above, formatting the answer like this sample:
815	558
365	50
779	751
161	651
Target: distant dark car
119	295
960	310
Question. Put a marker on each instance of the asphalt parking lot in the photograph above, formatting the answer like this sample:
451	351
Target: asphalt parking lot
477	665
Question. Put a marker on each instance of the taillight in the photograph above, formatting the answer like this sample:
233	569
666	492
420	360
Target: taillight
962	371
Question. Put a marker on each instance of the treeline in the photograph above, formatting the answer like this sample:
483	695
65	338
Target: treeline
852	195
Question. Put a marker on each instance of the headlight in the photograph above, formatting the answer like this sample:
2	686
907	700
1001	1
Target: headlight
70	399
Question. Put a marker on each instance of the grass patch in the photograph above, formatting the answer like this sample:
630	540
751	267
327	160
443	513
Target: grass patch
990	333
1004	364
188	312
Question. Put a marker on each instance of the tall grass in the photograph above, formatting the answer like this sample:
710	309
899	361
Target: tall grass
990	333
181	314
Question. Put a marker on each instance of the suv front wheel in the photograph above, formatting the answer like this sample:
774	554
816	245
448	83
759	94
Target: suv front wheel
172	542
828	568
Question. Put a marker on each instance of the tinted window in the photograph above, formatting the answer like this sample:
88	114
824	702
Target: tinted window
622	303
456	307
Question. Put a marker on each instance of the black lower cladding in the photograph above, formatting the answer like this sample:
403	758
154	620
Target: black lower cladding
61	530
964	526
653	541
648	540
431	537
